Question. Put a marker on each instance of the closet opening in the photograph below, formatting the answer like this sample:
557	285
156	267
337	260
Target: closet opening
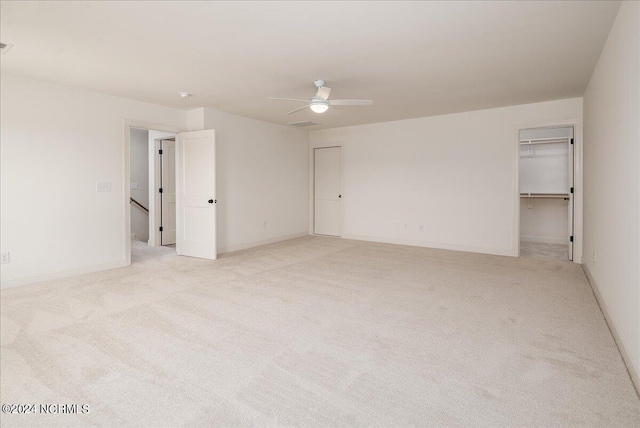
546	177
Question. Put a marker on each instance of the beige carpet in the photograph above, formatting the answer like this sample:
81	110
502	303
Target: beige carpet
317	332
544	251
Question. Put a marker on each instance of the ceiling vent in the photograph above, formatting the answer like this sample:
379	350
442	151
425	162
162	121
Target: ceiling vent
303	123
4	48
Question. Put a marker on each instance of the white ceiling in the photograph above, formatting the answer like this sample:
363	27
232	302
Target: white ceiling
412	58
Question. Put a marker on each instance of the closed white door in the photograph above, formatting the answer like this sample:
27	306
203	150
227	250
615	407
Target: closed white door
196	194
328	191
168	234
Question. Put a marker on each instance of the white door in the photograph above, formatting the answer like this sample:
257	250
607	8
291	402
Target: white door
196	194
328	188
168	185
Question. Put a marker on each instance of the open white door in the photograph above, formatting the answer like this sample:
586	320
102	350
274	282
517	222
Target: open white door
168	195
196	194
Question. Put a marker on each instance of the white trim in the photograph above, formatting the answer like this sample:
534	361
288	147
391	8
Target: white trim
544	239
577	183
126	173
59	274
633	370
234	248
433	245
312	184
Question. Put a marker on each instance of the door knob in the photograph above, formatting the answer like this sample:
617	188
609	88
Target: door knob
210	201
340	196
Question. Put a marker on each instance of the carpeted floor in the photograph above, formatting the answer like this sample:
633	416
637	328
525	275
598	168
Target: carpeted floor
317	332
544	251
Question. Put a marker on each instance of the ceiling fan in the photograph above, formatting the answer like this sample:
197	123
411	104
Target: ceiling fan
320	102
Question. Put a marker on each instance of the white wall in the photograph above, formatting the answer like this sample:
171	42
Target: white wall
612	182
544	220
261	176
139	167
56	143
455	174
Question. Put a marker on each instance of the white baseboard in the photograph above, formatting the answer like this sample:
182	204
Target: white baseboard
437	245
233	248
544	239
59	274
622	345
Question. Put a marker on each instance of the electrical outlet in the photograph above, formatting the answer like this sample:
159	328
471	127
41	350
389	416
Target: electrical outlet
103	186
594	257
264	224
421	228
5	258
134	185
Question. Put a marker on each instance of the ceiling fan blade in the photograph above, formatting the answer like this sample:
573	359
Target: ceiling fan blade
323	92
351	102
299	108
288	99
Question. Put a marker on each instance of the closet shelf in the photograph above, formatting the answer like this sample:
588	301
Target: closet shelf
544	141
545	195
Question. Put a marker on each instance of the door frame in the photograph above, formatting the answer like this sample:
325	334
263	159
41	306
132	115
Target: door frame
312	185
126	177
155	199
577	183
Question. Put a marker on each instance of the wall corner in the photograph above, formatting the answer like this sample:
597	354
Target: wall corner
195	119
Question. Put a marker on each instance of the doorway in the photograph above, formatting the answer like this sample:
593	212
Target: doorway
149	177
139	185
546	190
328	191
193	184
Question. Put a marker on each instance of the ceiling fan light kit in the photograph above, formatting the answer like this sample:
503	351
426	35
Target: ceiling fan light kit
318	106
320	102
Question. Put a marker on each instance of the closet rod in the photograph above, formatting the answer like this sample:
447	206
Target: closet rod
545	195
545	141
